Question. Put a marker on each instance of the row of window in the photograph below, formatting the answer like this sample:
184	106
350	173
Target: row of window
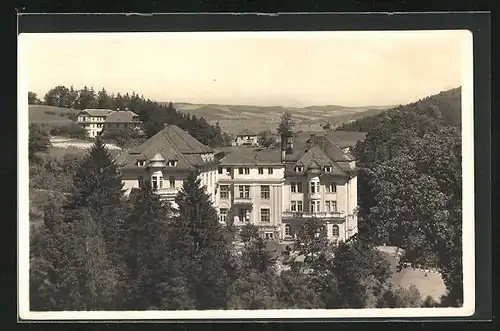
244	191
244	215
245	171
335	230
170	163
301	169
91	119
157	182
314	206
314	187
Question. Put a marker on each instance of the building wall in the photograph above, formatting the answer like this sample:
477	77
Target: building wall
241	140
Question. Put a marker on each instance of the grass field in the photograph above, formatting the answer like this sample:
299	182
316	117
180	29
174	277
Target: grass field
232	118
427	283
49	115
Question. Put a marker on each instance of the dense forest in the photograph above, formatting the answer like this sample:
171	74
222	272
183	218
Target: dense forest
443	107
153	114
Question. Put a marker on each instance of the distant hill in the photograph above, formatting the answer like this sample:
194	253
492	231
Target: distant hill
232	118
445	106
50	115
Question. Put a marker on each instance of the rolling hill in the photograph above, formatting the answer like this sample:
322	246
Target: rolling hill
232	118
50	115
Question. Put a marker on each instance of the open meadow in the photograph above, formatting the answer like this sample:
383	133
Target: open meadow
233	118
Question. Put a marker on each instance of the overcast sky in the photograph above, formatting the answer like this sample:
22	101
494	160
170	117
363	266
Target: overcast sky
289	69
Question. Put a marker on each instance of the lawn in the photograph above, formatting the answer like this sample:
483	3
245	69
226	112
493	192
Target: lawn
430	283
49	115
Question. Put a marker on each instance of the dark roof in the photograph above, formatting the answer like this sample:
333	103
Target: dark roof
122	117
246	132
318	151
248	156
342	139
172	143
98	112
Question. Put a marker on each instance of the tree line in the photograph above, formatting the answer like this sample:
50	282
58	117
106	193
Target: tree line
444	107
153	114
100	250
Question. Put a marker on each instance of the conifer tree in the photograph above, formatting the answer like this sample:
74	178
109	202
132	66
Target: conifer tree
145	249
201	246
98	186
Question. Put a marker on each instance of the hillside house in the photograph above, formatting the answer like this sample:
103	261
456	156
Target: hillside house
119	120
94	121
246	138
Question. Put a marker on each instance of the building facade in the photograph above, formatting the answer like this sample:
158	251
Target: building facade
165	161
277	189
246	138
94	121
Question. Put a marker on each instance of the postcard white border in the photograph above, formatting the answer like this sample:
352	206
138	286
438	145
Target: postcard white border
468	194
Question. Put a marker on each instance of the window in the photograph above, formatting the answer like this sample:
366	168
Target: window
261	171
244	191
265	215
335	230
268	235
296	205
160	182
247	171
154	183
299	169
331	206
296	187
328	168
172	163
331	187
244	215
223	215
240	171
228	171
140	180
314	206
314	187
224	191
220	170
171	180
287	230
270	171
264	192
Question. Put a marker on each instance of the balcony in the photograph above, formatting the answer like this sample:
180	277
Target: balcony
242	200
324	215
167	192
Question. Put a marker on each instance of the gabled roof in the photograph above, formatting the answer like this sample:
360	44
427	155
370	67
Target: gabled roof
172	143
122	117
246	132
318	151
98	112
246	156
341	138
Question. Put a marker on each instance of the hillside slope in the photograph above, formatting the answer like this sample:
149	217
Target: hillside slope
50	115
232	118
445	106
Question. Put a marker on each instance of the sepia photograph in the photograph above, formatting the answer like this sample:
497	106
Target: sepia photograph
188	175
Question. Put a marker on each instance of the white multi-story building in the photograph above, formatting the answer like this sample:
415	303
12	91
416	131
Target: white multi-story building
310	176
94	121
166	160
